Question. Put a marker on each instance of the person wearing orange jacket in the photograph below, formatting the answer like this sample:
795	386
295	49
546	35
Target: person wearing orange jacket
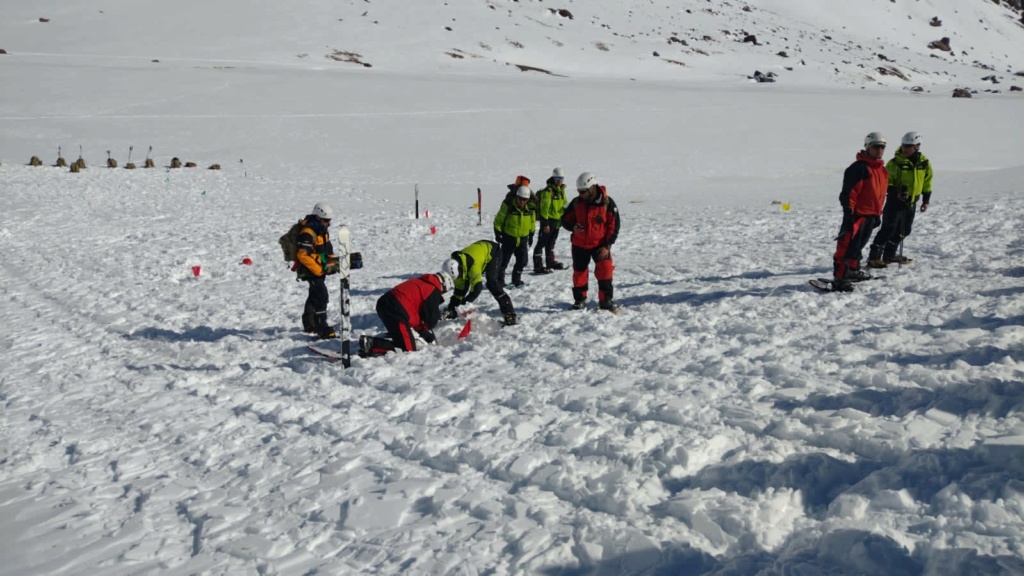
864	186
593	219
413	305
315	260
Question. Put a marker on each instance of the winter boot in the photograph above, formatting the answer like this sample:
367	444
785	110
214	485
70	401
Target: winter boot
517	280
373	346
609	305
856	276
538	265
841	285
324	331
552	263
875	257
579	305
511	319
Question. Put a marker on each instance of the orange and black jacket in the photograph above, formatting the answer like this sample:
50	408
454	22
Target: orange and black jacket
420	299
599	219
864	186
314	247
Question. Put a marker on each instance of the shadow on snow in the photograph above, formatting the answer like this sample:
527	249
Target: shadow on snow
995	398
984	472
837	553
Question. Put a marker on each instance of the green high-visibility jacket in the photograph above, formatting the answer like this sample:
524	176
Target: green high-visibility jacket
911	174
473	260
551	201
515	221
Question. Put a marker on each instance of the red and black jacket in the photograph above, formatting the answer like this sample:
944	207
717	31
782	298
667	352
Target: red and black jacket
864	186
599	219
420	299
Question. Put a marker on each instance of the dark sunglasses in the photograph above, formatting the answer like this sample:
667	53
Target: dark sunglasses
882	146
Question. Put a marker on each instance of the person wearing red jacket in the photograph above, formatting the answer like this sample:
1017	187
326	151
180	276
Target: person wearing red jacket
864	186
593	219
413	305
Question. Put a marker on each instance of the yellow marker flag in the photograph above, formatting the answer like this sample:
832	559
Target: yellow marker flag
785	207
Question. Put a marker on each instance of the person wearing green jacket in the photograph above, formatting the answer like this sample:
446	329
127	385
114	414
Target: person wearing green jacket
514	226
472	268
910	180
550	205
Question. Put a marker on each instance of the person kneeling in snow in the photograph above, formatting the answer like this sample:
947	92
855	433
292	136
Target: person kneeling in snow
413	305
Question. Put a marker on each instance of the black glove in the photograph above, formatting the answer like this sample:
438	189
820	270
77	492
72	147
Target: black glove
498	236
450	313
529	241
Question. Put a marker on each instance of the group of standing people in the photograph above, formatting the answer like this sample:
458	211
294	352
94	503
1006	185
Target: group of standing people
414	306
879	195
592	218
874	195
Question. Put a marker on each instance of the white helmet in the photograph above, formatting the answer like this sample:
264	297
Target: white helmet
446	281
323	210
912	139
451	268
874	138
523	192
558	172
585	181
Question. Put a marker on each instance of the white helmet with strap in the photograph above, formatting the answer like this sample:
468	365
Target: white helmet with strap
323	210
912	139
451	268
874	139
585	181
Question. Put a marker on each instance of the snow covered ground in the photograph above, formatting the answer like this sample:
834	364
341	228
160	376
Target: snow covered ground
730	420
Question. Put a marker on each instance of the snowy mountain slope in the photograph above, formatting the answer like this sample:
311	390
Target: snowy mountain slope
804	41
730	420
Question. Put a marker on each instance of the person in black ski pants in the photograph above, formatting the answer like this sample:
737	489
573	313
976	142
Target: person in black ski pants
315	260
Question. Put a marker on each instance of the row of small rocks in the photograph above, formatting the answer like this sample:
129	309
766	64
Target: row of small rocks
79	165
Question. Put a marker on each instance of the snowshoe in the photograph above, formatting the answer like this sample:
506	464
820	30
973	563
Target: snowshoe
856	276
897	260
831	285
